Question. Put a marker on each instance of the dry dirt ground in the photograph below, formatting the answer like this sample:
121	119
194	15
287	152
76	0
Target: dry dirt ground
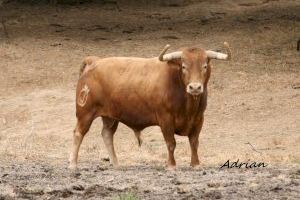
253	109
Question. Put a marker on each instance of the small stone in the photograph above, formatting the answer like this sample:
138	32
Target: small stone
276	189
105	159
215	185
78	187
183	189
176	182
213	195
146	191
76	174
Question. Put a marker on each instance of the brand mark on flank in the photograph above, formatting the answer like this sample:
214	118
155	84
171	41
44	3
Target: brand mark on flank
83	95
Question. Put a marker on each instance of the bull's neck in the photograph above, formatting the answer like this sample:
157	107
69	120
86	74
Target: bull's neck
192	104
189	105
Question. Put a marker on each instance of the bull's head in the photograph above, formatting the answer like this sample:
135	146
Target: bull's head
194	65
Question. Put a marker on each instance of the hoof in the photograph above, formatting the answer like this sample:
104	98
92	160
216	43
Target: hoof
197	167
72	166
171	167
116	166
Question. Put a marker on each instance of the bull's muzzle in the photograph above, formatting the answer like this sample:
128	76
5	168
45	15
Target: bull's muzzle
194	88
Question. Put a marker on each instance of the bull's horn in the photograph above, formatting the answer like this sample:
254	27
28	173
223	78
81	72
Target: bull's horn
169	56
220	56
162	53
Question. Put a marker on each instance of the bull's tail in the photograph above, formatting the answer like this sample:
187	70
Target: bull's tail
88	61
138	137
82	67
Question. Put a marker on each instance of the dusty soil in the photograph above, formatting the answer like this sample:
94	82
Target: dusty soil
253	108
98	181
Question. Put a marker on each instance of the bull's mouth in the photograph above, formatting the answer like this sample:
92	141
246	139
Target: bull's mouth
194	93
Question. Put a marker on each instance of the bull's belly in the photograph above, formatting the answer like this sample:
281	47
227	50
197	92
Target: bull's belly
183	132
136	122
137	126
134	118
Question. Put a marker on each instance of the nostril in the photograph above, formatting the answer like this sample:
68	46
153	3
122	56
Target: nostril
191	87
199	87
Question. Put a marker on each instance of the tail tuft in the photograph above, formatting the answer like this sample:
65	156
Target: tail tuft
138	137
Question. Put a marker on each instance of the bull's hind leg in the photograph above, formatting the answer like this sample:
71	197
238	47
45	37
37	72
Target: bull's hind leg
82	127
108	131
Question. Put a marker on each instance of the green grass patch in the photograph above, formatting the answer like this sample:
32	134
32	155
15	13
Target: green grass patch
126	196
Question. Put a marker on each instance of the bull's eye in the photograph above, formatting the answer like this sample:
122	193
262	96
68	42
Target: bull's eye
205	66
184	67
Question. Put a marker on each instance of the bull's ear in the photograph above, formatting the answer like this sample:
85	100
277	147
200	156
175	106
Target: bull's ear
177	61
208	60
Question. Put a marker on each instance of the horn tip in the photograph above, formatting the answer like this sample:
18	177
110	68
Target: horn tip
226	45
161	55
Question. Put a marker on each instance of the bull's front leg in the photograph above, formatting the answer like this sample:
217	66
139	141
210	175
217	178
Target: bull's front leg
194	143
168	133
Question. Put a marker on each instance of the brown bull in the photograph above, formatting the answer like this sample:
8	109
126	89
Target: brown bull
169	91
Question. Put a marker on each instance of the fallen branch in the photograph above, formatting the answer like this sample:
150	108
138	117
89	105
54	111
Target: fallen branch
253	148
